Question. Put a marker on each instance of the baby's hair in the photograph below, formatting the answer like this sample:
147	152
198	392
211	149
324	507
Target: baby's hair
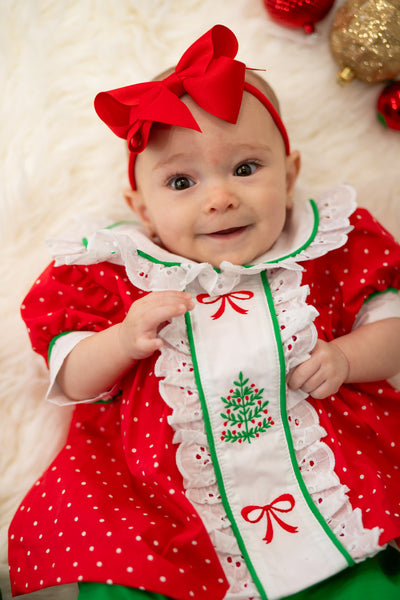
251	76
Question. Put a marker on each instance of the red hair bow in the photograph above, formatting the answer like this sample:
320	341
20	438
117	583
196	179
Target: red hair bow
207	72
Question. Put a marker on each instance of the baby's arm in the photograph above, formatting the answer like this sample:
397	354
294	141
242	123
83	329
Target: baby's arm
98	361
369	353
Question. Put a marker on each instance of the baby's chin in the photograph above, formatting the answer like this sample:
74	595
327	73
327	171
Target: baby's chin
237	257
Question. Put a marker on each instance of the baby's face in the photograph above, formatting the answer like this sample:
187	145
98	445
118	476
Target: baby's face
219	195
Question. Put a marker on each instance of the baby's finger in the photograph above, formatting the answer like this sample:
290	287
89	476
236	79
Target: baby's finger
170	297
154	317
313	383
301	374
323	391
149	345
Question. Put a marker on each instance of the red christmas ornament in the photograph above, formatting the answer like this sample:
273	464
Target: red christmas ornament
388	106
298	13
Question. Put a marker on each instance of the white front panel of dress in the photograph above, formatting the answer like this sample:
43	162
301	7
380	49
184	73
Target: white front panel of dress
239	374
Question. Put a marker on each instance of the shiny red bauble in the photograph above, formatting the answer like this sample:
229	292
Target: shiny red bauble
388	106
298	13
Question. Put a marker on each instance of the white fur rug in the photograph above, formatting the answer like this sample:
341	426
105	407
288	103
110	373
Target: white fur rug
57	160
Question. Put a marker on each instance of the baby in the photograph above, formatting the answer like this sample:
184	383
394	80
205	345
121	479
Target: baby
234	433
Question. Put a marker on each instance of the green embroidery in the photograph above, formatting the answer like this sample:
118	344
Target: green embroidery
245	412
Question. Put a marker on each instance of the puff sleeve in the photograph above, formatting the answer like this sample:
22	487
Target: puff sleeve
67	303
344	281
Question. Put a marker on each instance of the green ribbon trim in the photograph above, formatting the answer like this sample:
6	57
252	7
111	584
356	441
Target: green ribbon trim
53	341
389	289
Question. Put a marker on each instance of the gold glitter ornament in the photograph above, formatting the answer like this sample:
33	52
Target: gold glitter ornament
365	40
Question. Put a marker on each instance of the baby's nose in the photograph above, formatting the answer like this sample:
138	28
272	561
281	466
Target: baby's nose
220	198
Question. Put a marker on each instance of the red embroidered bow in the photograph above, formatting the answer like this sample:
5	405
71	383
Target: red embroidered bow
207	72
241	295
270	510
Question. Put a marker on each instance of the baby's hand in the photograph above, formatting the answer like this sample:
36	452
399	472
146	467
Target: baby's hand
139	330
323	373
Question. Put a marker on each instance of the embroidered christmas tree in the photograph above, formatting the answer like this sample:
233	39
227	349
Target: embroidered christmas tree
245	415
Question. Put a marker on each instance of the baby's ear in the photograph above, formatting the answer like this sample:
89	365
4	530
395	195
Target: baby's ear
136	203
129	198
293	164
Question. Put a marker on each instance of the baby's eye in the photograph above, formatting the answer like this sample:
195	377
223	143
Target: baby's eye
180	183
246	169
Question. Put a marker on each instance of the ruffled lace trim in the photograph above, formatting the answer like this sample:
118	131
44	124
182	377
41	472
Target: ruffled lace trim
314	457
152	268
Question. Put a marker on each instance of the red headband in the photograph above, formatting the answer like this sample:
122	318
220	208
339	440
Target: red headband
207	72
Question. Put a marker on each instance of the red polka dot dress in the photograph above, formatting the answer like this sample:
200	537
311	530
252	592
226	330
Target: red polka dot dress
115	505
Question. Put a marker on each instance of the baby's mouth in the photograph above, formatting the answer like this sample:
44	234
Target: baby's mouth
230	232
